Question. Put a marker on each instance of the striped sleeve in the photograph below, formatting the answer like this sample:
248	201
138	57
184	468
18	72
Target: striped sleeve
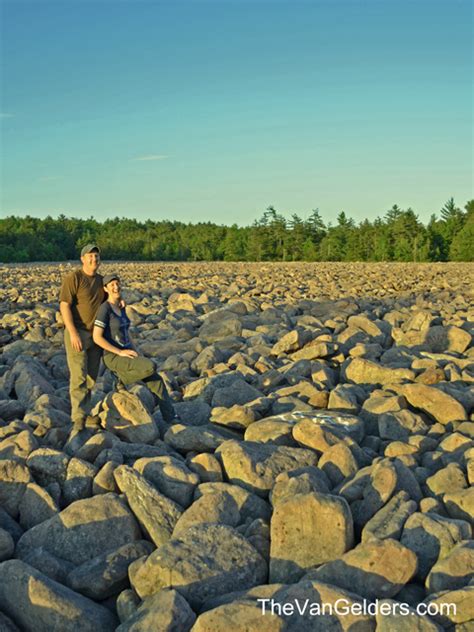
102	316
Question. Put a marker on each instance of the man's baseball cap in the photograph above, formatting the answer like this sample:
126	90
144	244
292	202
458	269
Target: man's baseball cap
89	248
109	278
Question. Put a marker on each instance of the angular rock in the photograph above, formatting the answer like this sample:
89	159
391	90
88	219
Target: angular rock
300	537
206	561
379	569
36	506
107	574
388	522
460	504
14	477
362	371
125	415
84	530
156	513
166	611
250	506
170	476
456	570
255	466
219	508
39	604
432	537
304	480
440	406
197	438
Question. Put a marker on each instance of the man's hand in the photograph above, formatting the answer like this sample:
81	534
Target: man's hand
76	341
128	353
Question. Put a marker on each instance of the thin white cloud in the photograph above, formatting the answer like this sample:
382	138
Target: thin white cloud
4	115
150	157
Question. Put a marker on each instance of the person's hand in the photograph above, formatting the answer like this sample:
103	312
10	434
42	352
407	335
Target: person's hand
122	304
128	353
76	341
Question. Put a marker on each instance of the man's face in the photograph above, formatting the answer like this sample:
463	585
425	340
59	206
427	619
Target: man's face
91	261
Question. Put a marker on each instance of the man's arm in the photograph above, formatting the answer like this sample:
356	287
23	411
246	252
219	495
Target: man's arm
100	341
68	321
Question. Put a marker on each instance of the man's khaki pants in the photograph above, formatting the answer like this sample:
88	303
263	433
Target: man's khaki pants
84	368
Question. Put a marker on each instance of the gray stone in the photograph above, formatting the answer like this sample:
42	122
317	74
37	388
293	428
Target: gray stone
250	506
431	537
39	604
301	481
36	506
156	513
7	545
165	611
107	574
378	568
14	477
218	507
170	476
255	466
456	570
388	522
206	561
300	537
197	438
84	530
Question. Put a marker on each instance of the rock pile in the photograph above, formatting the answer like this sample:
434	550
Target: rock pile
324	453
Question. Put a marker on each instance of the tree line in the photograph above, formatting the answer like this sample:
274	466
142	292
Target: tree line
397	236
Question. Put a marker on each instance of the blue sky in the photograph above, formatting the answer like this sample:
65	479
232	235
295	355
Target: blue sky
211	111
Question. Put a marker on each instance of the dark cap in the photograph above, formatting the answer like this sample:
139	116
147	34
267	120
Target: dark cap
110	277
89	248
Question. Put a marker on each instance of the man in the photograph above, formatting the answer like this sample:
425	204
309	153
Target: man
81	295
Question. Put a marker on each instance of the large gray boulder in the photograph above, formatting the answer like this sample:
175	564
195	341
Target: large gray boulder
255	466
156	513
39	604
84	530
206	561
377	569
300	537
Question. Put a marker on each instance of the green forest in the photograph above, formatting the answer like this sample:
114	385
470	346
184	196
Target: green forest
397	236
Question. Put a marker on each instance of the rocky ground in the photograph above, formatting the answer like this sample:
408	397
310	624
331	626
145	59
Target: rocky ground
325	452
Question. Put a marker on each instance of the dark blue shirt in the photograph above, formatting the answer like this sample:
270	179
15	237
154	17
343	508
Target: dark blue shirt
115	327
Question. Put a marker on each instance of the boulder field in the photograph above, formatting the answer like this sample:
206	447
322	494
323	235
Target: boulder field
324	453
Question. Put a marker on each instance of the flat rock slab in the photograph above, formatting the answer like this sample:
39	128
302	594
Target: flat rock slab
205	438
206	561
376	569
439	405
84	530
255	466
39	604
362	371
156	513
300	537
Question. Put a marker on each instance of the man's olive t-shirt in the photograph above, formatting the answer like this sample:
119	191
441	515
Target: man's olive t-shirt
85	294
